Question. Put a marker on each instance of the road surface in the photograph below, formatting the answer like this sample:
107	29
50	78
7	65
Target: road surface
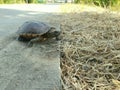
23	68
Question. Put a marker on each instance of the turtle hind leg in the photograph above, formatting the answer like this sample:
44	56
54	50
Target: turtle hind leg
22	39
34	40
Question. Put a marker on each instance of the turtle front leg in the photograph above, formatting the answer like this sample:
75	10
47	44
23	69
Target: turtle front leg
58	38
34	40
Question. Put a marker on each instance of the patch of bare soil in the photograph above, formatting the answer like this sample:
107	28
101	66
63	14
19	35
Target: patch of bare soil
90	51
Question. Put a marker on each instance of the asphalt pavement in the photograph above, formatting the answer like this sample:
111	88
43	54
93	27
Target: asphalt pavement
23	68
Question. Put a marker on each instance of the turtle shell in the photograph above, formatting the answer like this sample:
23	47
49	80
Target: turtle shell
33	27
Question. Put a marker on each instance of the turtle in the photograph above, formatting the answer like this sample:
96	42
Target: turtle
33	31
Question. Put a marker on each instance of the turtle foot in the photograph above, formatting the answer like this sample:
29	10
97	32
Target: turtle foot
30	44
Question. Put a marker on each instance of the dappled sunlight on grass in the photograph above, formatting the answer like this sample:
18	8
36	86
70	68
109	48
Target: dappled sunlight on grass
77	8
115	8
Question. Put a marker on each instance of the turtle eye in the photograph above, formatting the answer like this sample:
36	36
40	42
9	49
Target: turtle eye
57	33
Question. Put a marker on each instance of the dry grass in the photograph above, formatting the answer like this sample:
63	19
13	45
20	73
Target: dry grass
90	49
90	59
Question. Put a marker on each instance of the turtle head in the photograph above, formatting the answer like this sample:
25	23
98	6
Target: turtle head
53	32
56	33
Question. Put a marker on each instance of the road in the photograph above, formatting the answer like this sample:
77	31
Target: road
23	68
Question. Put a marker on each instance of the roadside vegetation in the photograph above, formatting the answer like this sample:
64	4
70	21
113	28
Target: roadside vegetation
111	4
17	1
90	48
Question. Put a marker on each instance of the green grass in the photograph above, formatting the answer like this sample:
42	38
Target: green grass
15	1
